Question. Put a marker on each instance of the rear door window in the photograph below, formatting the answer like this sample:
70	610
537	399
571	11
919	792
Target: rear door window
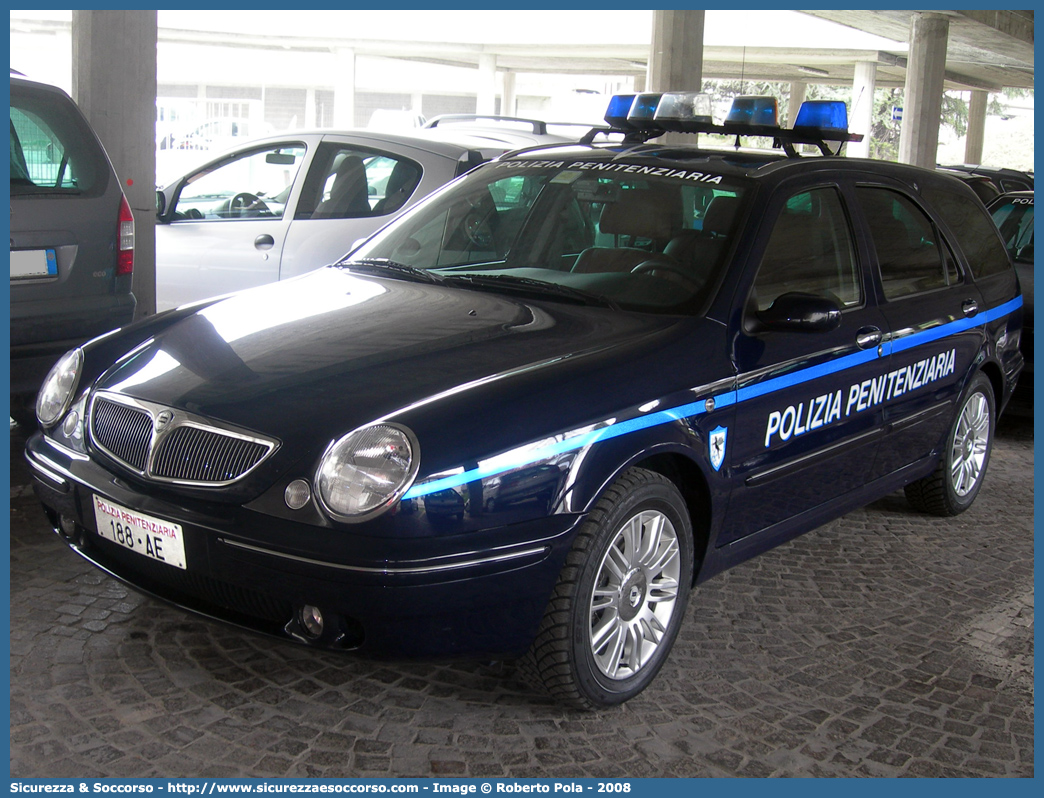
346	182
911	254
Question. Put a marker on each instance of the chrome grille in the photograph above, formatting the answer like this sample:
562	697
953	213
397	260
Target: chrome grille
173	446
125	432
199	455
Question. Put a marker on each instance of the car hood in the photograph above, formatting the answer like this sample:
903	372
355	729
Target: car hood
310	359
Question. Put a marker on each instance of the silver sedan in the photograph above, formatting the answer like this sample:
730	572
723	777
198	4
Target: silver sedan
283	205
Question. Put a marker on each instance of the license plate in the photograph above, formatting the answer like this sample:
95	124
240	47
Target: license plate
33	263
159	540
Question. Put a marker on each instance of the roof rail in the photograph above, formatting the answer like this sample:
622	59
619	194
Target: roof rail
535	125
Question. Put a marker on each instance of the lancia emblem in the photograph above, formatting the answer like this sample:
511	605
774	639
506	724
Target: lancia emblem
163	420
717	446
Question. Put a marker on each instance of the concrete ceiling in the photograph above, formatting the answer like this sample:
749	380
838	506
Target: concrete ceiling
989	50
986	49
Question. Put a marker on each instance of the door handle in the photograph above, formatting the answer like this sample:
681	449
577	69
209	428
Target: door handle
970	307
867	337
264	241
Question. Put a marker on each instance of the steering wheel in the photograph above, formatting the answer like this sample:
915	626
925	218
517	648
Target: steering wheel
659	265
477	228
246	204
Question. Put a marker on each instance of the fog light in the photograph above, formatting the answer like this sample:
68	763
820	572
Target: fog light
297	494
67	526
312	620
71	424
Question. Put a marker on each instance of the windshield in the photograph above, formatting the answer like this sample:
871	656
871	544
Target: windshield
640	237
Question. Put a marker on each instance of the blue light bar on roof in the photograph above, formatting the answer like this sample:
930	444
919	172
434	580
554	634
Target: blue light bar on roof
619	108
752	110
642	117
823	115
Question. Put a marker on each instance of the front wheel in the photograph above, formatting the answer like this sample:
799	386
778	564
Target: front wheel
956	481
621	596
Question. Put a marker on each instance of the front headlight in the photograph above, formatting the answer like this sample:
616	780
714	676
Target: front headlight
58	388
367	471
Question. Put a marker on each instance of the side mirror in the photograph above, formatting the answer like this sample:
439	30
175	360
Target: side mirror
797	312
161	203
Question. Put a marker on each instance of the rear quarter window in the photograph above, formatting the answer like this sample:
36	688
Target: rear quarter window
52	148
973	228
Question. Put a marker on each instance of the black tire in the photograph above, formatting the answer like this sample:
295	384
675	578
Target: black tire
953	486
639	591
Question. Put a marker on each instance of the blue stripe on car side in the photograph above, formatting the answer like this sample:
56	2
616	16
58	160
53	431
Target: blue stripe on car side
720	400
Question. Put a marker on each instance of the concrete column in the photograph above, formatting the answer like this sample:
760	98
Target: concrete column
976	126
676	55
486	101
676	58
310	109
344	87
922	103
861	116
798	91
508	99
114	83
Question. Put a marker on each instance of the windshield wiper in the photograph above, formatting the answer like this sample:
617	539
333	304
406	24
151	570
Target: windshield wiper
531	286
386	266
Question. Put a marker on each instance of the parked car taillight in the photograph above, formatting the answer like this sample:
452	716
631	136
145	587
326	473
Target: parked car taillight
125	255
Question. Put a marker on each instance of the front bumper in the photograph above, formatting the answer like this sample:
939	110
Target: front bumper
477	594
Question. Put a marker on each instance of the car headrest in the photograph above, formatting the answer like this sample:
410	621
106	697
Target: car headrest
640	212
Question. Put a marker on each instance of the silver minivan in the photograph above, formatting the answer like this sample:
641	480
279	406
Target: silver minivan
72	237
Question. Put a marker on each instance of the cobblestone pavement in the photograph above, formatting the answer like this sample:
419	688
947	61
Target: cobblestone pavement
884	644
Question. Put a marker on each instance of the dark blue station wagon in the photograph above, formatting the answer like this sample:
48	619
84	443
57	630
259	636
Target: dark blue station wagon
528	416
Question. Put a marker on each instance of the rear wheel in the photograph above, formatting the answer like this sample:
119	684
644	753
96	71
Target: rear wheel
621	596
956	481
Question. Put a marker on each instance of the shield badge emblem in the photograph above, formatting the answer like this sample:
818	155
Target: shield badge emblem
717	446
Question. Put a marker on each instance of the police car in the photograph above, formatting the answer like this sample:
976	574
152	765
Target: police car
528	417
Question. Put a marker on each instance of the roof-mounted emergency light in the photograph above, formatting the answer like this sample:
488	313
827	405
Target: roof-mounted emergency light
822	115
619	108
642	110
641	117
678	108
759	111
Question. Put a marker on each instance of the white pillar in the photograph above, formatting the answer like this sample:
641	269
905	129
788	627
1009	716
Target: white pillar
344	87
486	101
310	109
676	58
676	54
120	103
922	103
976	126
508	99
798	90
861	117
